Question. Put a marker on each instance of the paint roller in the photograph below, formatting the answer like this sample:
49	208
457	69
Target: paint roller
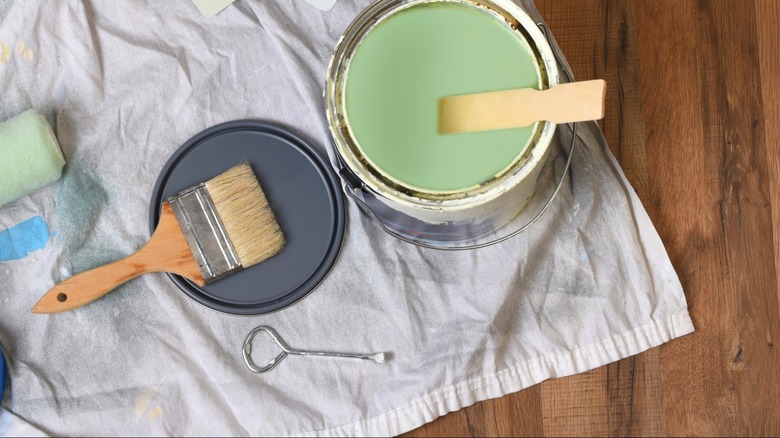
30	156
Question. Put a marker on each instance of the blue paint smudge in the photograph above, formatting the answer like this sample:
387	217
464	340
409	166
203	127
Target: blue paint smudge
586	254
23	238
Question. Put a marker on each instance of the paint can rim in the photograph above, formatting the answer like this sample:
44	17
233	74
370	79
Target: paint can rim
345	144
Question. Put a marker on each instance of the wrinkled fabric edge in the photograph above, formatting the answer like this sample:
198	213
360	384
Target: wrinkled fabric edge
11	425
523	375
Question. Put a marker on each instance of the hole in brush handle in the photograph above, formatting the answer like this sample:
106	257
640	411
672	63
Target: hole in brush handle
61	297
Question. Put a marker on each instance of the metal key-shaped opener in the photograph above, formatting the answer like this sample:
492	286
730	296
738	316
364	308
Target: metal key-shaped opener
286	349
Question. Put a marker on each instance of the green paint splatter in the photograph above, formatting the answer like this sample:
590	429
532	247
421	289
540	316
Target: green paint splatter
81	201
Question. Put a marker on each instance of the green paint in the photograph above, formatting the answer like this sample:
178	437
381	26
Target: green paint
81	200
29	156
406	64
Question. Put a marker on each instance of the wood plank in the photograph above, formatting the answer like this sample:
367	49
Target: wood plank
647	416
633	384
514	415
519	414
715	215
452	424
481	418
675	114
599	39
577	405
767	19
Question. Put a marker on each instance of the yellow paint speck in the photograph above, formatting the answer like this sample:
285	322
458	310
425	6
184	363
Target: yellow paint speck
142	401
155	413
5	52
26	53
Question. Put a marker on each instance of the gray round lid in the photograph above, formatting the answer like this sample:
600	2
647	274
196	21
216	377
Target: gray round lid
303	193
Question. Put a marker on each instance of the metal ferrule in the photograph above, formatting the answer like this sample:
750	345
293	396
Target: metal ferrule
205	233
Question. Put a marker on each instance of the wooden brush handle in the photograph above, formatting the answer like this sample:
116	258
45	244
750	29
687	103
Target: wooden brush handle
166	251
84	288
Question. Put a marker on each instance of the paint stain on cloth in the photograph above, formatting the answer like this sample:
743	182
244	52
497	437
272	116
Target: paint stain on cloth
5	53
81	201
23	238
25	52
21	49
144	401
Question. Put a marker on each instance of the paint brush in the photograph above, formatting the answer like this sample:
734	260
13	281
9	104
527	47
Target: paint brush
565	103
205	233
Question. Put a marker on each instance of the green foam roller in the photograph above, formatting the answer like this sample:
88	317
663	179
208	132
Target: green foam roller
30	157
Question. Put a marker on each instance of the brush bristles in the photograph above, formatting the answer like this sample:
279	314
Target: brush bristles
244	211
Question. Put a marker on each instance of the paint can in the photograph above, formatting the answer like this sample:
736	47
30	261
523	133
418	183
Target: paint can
443	219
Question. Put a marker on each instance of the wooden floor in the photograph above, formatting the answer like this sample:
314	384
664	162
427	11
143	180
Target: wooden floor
693	116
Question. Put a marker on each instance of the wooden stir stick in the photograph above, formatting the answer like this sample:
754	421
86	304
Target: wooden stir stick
565	103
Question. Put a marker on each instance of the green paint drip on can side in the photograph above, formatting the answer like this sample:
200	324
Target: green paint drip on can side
406	64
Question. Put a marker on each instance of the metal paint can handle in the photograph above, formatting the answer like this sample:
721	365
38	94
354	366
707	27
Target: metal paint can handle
351	192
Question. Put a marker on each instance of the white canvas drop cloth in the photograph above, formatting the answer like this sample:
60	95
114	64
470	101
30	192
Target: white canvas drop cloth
125	83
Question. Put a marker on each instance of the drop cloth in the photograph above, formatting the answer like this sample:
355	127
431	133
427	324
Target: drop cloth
125	83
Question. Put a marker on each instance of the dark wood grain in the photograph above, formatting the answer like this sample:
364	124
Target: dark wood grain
767	19
718	227
600	41
693	117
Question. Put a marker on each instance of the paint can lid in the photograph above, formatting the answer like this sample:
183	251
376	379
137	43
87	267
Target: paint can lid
303	193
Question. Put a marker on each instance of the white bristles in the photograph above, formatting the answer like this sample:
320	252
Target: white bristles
244	211
378	357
